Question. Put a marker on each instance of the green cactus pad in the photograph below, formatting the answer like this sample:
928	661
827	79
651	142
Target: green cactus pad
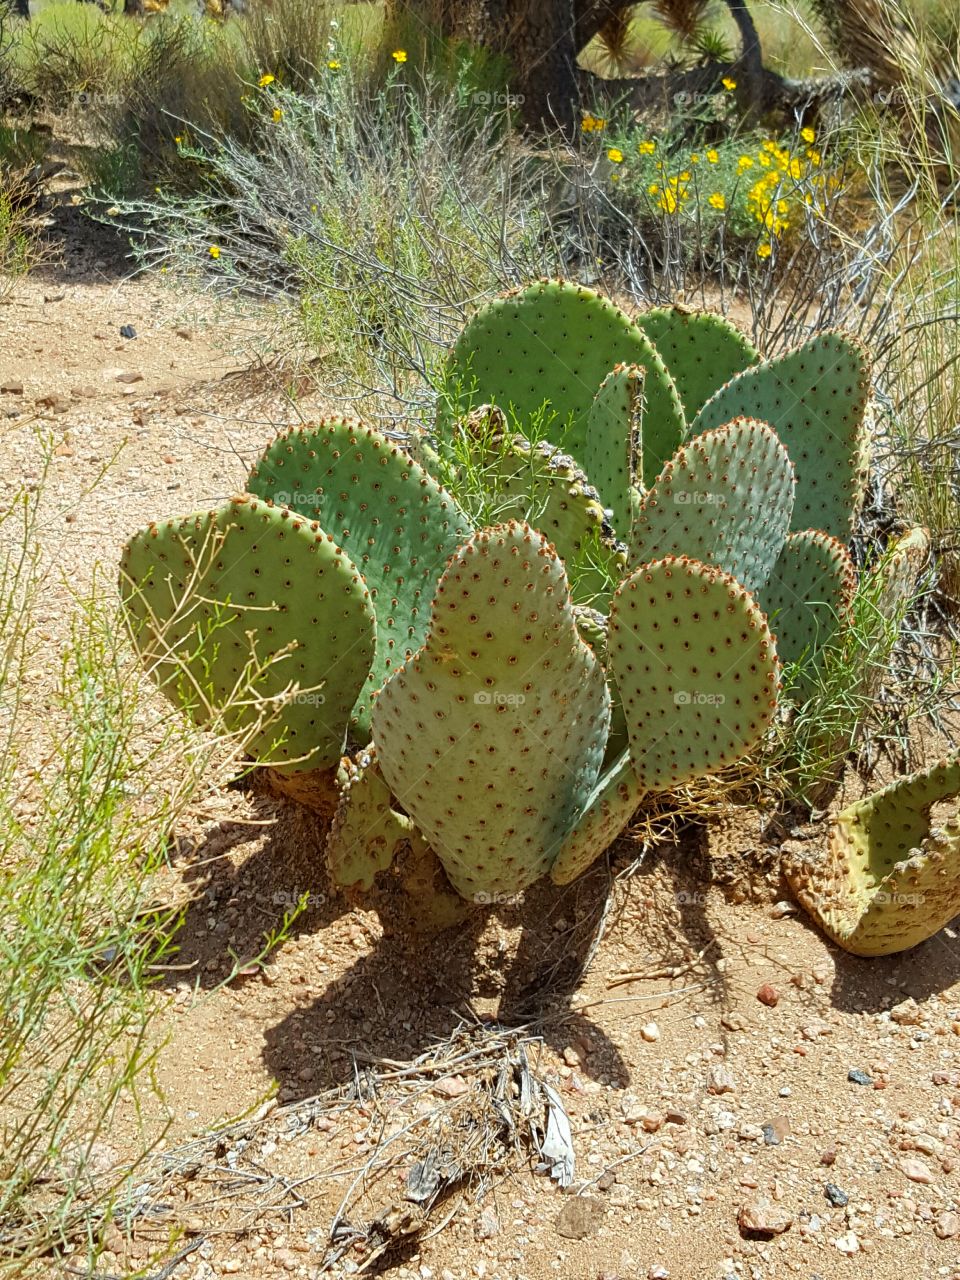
491	736
886	881
208	594
701	350
555	342
398	525
725	499
696	667
815	398
613	441
365	832
540	485
807	597
607	812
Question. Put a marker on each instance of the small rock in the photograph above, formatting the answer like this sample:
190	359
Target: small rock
675	1117
947	1226
11	388
451	1087
54	402
768	995
489	1224
184	333
775	1130
580	1217
906	1013
848	1244
836	1197
573	1055
658	1273
54	297
916	1171
828	1156
858	1077
84	392
762	1217
783	908
721	1080
129	375
127	331
650	1032
734	1022
652	1121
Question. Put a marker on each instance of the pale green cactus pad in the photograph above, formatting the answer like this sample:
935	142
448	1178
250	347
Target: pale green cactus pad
613	441
492	735
726	499
555	342
886	881
701	350
394	521
814	398
806	599
249	588
365	832
696	667
606	814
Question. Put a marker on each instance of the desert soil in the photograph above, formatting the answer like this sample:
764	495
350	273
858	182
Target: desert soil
702	1048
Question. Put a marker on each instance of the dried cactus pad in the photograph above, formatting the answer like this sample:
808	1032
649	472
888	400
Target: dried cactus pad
612	444
556	342
396	523
215	597
887	881
491	736
365	832
701	350
807	597
814	397
696	667
725	499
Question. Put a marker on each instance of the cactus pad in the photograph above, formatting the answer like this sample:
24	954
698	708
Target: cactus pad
213	596
725	499
815	398
555	342
605	815
365	832
807	597
396	523
613	441
491	736
886	881
701	350
696	667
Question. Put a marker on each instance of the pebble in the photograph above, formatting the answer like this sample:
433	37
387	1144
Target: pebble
130	375
848	1243
580	1217
650	1032
858	1077
720	1079
489	1224
828	1156
783	908
947	1226
762	1217
916	1171
836	1197
768	995
11	388
127	331
658	1273
906	1013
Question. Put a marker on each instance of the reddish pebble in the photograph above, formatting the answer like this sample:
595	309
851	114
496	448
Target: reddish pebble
828	1156
769	996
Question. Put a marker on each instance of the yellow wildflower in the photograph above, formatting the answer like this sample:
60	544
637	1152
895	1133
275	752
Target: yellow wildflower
214	251
813	157
178	139
685	176
745	162
808	135
763	251
647	148
717	200
695	159
277	115
333	64
265	80
615	155
713	156
399	55
728	84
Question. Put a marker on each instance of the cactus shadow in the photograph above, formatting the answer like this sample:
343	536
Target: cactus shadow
242	878
876	983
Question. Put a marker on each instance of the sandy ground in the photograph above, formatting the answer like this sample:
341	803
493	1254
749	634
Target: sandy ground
703	1054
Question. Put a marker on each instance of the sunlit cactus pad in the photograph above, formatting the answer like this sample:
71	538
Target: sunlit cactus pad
492	735
887	880
231	608
394	520
701	350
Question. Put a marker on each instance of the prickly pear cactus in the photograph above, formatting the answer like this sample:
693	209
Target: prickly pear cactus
395	522
232	608
702	351
697	672
726	499
611	449
556	342
491	736
365	832
886	881
814	398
